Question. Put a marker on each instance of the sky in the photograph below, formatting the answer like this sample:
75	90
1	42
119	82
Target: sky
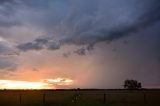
80	43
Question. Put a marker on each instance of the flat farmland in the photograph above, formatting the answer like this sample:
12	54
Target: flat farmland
84	97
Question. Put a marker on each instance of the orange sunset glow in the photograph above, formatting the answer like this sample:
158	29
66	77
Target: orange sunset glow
42	84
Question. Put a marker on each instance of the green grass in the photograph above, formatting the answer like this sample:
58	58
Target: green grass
79	98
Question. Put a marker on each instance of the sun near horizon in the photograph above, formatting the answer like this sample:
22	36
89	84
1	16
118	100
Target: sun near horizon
42	84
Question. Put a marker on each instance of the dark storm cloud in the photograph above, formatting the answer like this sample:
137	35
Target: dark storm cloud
8	24
39	44
89	28
90	47
93	21
30	46
53	46
81	51
44	14
41	41
7	13
6	50
6	1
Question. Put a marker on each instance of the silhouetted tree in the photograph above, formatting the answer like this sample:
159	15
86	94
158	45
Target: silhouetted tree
132	84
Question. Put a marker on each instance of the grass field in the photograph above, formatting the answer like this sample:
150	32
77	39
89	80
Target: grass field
79	98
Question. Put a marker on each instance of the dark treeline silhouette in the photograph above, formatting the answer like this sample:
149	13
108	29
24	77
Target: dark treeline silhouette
132	84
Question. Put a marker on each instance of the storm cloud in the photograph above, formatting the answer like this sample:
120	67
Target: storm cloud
90	22
8	13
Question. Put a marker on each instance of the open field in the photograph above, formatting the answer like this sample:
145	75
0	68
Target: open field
79	98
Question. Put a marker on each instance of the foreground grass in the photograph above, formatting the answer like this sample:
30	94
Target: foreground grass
79	98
